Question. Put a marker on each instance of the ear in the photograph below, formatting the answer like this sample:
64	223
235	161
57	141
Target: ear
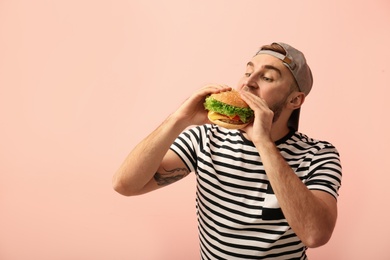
296	100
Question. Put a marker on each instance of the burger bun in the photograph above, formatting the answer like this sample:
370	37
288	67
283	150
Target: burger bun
226	123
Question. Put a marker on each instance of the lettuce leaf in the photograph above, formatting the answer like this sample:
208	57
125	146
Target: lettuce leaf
244	113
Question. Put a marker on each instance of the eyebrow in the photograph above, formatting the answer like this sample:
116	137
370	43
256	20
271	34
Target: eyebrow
269	67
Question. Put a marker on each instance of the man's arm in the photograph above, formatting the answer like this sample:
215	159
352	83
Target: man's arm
151	164
311	214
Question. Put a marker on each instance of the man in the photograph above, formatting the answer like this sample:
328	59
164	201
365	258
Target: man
264	192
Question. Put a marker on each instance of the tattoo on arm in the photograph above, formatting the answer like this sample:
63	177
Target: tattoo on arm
170	176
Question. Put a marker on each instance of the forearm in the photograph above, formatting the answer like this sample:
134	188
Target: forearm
143	161
135	176
311	218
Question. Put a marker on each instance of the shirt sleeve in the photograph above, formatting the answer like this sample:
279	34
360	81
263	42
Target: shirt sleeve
325	172
185	147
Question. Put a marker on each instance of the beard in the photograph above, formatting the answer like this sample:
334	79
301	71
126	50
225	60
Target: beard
277	108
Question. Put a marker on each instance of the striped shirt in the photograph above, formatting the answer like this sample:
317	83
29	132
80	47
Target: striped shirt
238	214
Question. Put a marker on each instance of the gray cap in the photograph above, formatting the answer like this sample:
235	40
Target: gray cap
295	61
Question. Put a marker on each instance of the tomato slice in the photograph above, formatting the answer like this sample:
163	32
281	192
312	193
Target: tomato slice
237	118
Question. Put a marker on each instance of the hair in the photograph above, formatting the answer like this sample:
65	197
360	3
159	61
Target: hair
277	48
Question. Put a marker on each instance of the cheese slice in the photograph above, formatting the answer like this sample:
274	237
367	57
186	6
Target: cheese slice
216	116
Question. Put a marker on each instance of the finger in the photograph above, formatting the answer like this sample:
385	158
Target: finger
252	100
216	88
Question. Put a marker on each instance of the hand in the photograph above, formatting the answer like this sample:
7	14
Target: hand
260	129
192	111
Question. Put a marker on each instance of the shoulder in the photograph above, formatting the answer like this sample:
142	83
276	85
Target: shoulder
301	138
300	144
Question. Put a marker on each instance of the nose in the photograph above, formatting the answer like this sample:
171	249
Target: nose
249	84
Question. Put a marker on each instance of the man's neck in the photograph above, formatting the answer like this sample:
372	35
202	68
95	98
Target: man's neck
277	133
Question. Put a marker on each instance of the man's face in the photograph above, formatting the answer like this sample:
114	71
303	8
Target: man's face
267	77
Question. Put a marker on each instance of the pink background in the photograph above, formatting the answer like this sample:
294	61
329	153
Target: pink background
81	82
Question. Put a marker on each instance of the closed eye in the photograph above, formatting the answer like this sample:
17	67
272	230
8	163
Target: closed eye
268	79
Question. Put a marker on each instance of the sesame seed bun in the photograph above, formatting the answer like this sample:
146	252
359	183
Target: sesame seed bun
232	98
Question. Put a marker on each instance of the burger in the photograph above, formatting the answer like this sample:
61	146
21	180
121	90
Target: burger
227	109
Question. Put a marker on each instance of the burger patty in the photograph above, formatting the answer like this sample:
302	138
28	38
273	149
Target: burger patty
233	122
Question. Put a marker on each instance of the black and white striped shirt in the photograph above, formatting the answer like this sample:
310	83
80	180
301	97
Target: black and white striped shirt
238	214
